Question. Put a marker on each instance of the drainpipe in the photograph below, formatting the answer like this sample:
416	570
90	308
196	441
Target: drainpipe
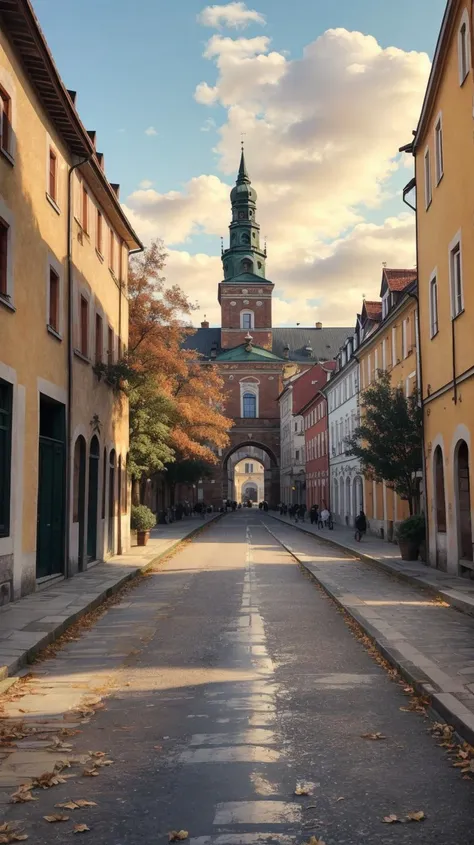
70	314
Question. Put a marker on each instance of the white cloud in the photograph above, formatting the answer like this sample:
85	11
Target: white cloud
151	131
233	15
208	125
145	184
203	205
321	134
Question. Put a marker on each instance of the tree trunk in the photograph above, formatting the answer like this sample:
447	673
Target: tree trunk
135	491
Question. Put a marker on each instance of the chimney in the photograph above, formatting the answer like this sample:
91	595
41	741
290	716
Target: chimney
73	95
205	324
92	135
116	188
319	325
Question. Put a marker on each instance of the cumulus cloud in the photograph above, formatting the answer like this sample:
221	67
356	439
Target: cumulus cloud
145	183
151	131
233	15
321	134
203	206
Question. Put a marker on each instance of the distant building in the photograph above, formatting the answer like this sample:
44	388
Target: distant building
313	409
388	332
249	481
64	247
342	393
292	470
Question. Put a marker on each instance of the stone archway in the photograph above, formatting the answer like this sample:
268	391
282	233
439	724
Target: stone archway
252	450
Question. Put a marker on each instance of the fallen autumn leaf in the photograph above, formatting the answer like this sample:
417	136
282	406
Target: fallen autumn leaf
56	818
177	835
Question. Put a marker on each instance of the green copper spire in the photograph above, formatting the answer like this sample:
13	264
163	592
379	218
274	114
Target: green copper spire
243	174
245	255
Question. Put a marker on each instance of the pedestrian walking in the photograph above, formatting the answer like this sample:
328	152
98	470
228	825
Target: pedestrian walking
302	512
360	526
314	514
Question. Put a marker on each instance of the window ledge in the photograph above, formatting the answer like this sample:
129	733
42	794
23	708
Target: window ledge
81	355
54	332
8	156
53	203
434	334
459	314
5	301
440	179
99	255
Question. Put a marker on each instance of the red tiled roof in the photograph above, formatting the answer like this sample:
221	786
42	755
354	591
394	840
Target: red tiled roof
398	280
373	310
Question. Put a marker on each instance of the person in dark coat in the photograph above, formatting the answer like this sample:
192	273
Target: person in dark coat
301	512
360	525
314	514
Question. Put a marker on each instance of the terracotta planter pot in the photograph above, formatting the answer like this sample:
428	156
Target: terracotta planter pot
142	538
408	549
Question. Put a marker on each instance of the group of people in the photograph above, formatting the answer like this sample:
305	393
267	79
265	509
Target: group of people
321	518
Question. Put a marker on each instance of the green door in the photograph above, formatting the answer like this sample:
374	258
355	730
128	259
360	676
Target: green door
50	522
93	500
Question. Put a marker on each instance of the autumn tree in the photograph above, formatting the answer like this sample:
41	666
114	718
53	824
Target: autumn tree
175	402
388	441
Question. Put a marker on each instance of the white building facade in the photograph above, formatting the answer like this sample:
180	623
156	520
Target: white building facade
342	392
292	466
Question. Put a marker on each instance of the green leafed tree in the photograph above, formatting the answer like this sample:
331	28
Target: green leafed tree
388	441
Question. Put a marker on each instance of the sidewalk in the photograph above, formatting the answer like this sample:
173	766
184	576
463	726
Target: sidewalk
30	624
458	592
428	642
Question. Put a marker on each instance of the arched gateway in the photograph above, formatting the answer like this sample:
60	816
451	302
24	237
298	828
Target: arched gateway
252	357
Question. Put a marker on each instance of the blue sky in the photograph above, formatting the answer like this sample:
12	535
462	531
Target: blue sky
137	66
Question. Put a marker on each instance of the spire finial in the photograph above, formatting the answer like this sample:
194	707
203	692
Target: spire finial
243	175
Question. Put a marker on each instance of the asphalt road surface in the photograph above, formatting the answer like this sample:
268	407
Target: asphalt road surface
230	679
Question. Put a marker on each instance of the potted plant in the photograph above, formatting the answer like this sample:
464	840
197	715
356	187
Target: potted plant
142	521
411	536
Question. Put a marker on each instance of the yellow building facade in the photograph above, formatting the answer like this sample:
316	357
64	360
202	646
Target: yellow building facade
444	172
249	481
64	245
388	342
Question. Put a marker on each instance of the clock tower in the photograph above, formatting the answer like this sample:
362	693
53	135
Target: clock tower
245	295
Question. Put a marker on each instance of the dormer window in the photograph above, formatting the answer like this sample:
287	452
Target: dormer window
385	305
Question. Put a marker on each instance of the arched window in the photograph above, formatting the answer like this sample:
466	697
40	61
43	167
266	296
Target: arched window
439	490
249	405
247	319
247	266
79	484
245	238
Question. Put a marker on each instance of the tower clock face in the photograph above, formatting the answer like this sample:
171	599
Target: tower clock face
241	215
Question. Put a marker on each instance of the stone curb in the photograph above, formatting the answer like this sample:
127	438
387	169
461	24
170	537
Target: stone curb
29	654
444	706
453	598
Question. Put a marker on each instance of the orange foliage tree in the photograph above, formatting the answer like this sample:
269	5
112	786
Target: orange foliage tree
176	410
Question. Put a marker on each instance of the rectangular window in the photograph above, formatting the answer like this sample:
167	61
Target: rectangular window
53	299
6	402
246	321
428	188
3	258
53	175
457	304
433	306
369	369
249	406
99	339
5	121
404	339
376	364
463	52
394	346
110	346
439	150
297	455
84	348
85	209
111	250
99	233
384	354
